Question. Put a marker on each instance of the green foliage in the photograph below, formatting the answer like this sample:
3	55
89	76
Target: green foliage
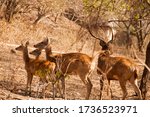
103	5
42	73
132	15
94	3
136	16
58	74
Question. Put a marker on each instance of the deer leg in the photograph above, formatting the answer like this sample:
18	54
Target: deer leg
29	81
26	90
111	93
89	88
136	88
63	94
43	90
54	90
58	89
101	88
109	90
37	91
124	90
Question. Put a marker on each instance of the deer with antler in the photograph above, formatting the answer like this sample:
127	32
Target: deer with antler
116	68
42	68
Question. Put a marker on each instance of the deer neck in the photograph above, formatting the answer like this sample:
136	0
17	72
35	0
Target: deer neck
37	58
49	55
26	55
48	52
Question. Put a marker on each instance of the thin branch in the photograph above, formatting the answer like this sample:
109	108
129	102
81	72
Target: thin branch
127	20
140	60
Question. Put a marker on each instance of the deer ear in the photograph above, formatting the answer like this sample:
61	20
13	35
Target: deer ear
46	40
27	43
21	42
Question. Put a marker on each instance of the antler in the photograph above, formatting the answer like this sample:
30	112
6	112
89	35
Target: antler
102	42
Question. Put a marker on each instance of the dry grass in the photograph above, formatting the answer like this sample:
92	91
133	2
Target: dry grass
62	33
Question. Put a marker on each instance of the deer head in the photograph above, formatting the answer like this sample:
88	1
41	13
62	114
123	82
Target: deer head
22	46
36	52
102	43
42	44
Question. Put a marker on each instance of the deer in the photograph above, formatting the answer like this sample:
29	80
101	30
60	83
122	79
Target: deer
116	68
71	64
36	67
55	81
121	69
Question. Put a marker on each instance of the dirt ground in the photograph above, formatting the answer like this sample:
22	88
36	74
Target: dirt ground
13	81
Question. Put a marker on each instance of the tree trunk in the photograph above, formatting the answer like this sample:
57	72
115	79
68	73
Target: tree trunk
145	75
129	40
140	41
140	36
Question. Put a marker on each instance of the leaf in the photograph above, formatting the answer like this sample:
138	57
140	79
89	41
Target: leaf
137	16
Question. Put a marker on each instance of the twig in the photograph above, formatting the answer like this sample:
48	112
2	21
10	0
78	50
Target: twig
140	59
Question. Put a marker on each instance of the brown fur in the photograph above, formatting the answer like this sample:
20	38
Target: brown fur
71	64
35	67
55	81
122	69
